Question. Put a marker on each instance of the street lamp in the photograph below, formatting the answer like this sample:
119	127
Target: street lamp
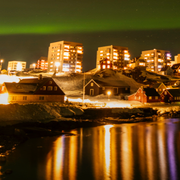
108	93
57	64
1	61
34	65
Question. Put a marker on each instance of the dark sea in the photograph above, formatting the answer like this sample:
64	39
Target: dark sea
130	151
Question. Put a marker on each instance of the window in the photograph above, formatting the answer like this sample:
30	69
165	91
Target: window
44	88
156	97
49	88
24	97
41	97
13	98
150	97
92	84
50	82
55	88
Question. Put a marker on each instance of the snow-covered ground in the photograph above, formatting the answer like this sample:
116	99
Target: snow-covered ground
73	88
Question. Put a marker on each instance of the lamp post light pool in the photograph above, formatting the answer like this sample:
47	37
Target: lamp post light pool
57	64
34	65
108	93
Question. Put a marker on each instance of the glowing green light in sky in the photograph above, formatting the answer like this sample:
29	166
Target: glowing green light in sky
47	17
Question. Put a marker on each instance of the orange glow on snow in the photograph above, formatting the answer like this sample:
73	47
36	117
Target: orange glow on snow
4	98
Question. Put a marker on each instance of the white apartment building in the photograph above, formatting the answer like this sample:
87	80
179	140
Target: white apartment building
176	59
16	65
118	56
65	56
156	59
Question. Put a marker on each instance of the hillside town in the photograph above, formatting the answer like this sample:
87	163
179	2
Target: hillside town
150	78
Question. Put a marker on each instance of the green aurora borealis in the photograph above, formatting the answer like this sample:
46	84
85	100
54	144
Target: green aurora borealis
56	16
28	26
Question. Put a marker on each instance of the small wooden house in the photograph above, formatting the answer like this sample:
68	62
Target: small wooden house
97	87
170	95
33	90
145	95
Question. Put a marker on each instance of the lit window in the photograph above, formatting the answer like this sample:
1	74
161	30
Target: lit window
14	98
92	84
150	97
55	88
50	82
66	54
24	97
49	88
66	46
156	97
104	67
41	97
78	51
108	66
44	88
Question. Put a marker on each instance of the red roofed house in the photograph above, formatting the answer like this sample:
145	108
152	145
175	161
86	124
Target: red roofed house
170	95
145	95
33	90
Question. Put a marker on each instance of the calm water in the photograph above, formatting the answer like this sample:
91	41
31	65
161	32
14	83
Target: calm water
111	152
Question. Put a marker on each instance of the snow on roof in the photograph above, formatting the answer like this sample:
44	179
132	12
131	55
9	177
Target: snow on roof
114	82
20	88
151	92
174	92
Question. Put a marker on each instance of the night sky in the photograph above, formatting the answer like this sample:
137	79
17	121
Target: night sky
27	27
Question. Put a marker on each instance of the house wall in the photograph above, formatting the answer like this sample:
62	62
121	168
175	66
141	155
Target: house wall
44	90
138	96
165	97
97	90
161	88
14	98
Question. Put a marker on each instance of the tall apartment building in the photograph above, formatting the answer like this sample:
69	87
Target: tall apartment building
65	56
177	59
16	65
42	63
117	56
156	59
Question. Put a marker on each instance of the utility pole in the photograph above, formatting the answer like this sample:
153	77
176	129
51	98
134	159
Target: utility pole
83	89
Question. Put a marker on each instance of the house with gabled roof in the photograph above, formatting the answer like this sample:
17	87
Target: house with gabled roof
160	87
170	95
145	95
33	90
96	87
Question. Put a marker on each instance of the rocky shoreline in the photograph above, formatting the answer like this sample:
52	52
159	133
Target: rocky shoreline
16	133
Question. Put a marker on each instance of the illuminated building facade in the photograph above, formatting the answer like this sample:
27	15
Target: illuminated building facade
42	63
65	56
156	59
118	56
16	65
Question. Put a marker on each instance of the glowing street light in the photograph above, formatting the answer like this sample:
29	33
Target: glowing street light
34	65
57	64
1	61
108	93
